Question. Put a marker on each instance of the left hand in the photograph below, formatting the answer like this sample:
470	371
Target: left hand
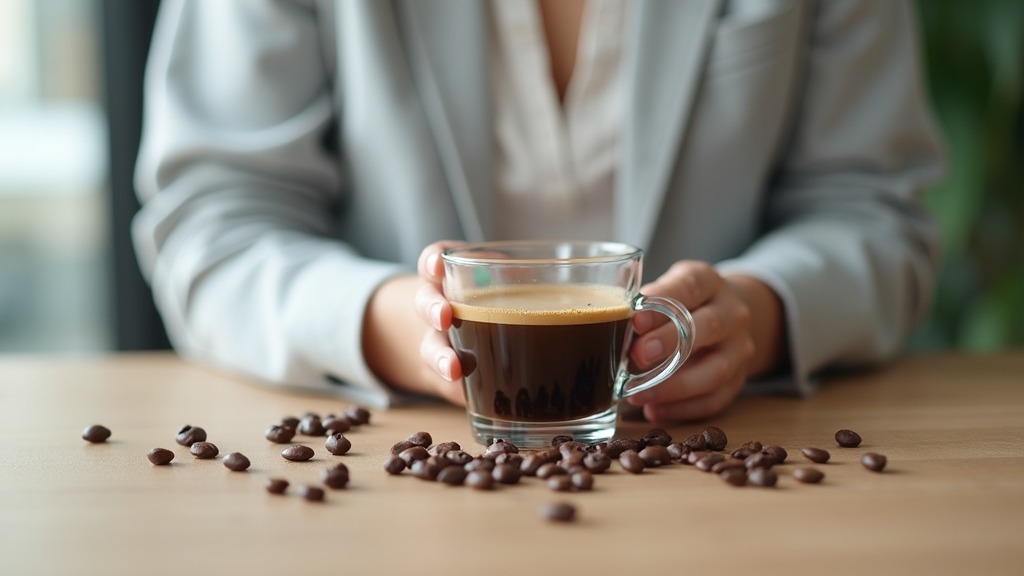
724	351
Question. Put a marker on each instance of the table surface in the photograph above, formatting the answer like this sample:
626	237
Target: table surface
950	502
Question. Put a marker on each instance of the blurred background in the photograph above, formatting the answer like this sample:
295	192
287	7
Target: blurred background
70	86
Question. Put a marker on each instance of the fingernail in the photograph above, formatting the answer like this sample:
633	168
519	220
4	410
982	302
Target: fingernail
653	349
435	315
444	366
432	264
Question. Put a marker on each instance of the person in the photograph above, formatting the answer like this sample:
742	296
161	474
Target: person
304	162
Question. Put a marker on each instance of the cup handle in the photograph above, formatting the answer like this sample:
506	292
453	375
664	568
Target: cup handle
685	328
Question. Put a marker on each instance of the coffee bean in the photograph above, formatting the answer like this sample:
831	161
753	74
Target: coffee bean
313	414
311	493
236	462
413	454
582	480
444	448
706	463
530	464
335	477
497	448
560	483
394	465
557	512
572	459
358	414
727	464
290	422
631	462
753	446
715	439
657	437
96	434
696	443
480	480
549	455
574	469
189	435
742	453
764	477
337	444
566	449
848	438
598	447
734	476
204	450
759	460
560	440
402	446
694	456
481	464
297	453
310	425
808	475
160	456
655	455
873	462
424	470
513	459
280	434
778	453
452	475
421	439
677	451
597	463
615	448
506	473
550	469
816	455
276	485
336	423
458	457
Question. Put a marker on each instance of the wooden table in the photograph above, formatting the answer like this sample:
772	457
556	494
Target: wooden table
950	502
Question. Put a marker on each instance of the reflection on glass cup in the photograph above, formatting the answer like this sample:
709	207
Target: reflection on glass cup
543	329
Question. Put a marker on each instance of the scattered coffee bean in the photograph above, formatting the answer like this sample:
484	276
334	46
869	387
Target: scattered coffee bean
727	464
297	453
337	444
597	463
572	459
655	455
550	469
753	446
506	473
96	434
582	480
458	457
764	477
394	465
677	451
290	422
694	456
336	423
160	456
311	493
335	477
276	485
531	464
424	470
874	462
557	440
549	455
560	483
236	462
566	449
358	414
413	454
402	446
310	425
715	438
696	443
513	459
657	437
557	512
598	447
574	469
481	464
742	453
280	434
480	480
848	438
189	435
497	448
759	460
816	455
808	475
421	439
708	462
204	450
452	475
444	448
631	462
615	448
735	476
778	453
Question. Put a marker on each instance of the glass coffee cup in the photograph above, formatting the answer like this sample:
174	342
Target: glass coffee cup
542	330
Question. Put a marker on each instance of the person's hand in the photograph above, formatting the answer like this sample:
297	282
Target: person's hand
732	342
405	340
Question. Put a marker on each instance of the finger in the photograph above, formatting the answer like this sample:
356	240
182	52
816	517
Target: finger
437	353
432	307
722	317
697	408
691	282
429	265
704	375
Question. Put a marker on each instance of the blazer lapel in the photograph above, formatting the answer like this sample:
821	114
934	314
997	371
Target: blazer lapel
670	40
448	53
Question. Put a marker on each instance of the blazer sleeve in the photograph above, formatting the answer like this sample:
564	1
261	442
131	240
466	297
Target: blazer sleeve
240	197
848	248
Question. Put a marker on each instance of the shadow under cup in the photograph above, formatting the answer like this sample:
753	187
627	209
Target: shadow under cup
542	331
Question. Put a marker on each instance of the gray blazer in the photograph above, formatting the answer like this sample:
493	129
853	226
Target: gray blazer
298	153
